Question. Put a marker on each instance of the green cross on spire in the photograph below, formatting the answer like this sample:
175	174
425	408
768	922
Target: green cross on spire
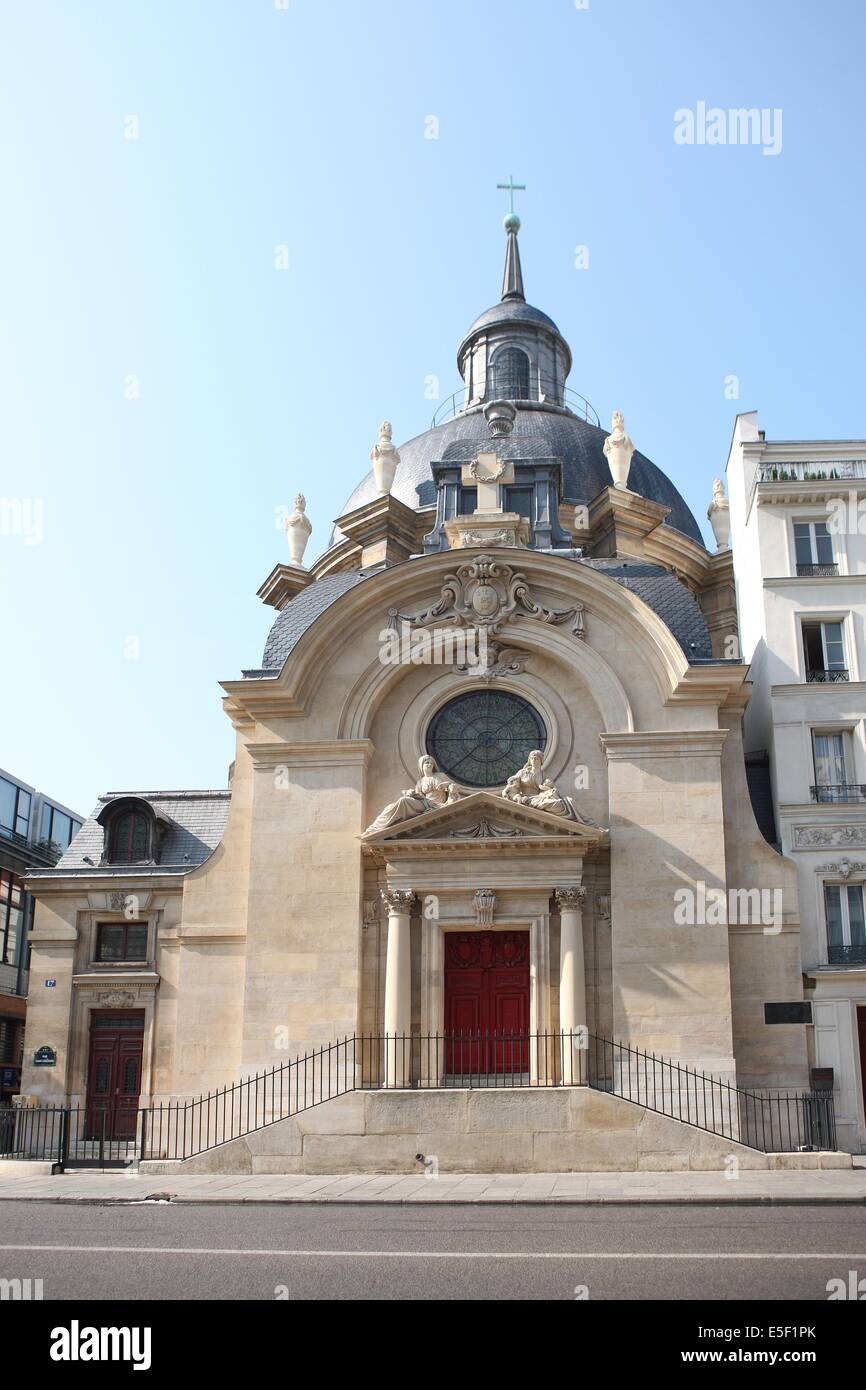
512	221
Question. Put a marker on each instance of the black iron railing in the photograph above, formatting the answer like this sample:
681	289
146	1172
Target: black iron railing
817	571
543	390
835	676
71	1136
846	955
831	792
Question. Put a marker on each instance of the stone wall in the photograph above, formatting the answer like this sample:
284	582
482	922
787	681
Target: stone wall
571	1130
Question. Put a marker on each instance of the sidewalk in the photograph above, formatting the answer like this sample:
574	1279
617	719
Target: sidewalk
805	1186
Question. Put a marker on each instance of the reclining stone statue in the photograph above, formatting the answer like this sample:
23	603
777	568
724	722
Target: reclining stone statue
432	790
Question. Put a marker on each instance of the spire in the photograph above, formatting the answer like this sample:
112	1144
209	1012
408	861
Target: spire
512	279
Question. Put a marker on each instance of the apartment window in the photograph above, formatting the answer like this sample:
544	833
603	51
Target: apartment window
824	649
846	923
12	906
467	501
14	808
58	826
121	941
813	549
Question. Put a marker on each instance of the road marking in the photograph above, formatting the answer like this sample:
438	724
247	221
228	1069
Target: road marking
421	1254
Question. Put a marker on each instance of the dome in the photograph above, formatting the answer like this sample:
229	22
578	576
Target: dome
515	352
510	311
538	432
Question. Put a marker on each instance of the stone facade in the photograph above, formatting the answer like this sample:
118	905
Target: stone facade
325	902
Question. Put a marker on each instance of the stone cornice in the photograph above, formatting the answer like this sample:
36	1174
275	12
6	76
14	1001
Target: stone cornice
819	687
117	979
674	743
330	753
283	584
505	848
830	581
717	683
835	972
93	880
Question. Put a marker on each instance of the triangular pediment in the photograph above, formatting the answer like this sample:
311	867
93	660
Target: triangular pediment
487	817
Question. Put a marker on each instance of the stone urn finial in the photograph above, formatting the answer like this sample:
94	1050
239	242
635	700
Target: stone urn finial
298	528
384	458
618	450
720	516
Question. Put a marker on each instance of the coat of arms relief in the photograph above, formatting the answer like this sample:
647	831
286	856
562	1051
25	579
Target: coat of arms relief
486	594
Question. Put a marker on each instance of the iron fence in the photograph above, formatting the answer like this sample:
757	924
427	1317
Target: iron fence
80	1136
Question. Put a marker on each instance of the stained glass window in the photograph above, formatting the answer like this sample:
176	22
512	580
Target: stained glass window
482	738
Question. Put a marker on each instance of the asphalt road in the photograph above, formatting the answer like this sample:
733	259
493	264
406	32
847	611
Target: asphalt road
211	1251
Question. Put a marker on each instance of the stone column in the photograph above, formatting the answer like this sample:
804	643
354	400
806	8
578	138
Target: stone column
572	982
398	987
432	1059
540	1023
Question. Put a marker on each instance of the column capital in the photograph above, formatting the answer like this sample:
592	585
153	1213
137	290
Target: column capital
570	899
397	901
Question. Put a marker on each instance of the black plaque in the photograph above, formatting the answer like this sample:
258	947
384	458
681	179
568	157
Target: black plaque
800	1012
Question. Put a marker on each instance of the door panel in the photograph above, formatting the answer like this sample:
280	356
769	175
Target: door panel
486	995
114	1073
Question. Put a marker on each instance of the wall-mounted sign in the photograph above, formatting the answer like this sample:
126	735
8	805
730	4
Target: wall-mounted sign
45	1057
50	984
9	1077
798	1011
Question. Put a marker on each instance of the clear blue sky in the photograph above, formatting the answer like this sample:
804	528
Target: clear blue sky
305	126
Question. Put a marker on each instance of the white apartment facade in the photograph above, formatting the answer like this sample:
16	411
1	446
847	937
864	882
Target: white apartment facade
798	533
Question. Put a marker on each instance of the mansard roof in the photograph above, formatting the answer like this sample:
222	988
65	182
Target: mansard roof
194	820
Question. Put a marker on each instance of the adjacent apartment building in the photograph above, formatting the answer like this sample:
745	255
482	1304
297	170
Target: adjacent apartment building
34	831
798	533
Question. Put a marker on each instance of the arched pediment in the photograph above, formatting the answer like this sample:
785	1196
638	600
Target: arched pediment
549	583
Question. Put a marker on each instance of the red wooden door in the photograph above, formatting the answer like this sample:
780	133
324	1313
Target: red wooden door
861	1028
487	1001
114	1073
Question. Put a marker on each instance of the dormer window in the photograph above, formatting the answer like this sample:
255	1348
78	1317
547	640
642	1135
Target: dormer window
130	834
132	831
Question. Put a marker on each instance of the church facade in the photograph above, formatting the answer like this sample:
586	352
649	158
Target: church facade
489	780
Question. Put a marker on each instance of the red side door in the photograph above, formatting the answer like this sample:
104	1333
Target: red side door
861	1028
487	1001
114	1073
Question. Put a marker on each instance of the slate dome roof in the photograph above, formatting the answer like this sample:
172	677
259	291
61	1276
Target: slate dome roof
537	432
511	311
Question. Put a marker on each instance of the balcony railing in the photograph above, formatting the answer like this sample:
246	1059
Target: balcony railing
817	571
829	470
837	676
833	793
847	955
